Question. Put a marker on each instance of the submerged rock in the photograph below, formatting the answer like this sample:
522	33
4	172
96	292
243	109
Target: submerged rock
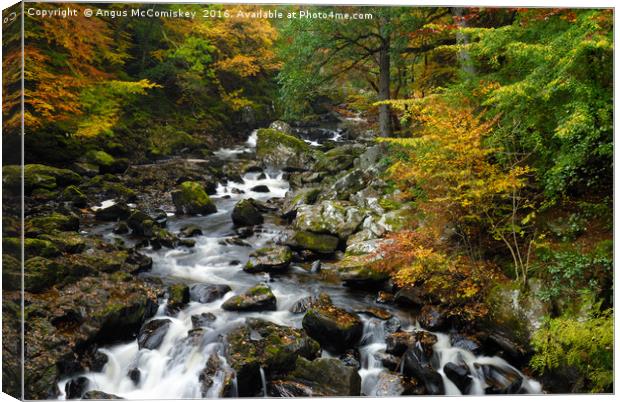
246	213
213	368
257	298
269	259
500	379
417	364
203	320
191	198
190	231
152	333
388	384
261	188
334	328
272	347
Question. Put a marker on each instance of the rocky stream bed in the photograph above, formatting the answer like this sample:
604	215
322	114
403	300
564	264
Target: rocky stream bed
239	275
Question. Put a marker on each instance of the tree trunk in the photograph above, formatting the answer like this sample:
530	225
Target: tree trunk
385	124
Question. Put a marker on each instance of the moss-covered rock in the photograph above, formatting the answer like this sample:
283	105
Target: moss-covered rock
319	243
11	273
107	163
257	298
329	217
37	176
178	297
264	344
246	213
295	199
112	212
338	159
192	199
32	247
49	223
41	274
279	150
75	196
68	242
269	259
334	328
327	377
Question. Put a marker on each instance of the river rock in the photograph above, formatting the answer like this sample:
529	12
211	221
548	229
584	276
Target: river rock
75	388
362	277
206	293
49	223
388	384
203	320
178	297
302	305
121	228
141	224
213	368
295	199
113	212
99	395
376	312
257	298
388	361
107	163
329	217
261	188
134	375
327	377
246	213
338	159
264	344
36	176
334	328
269	259
417	364
152	333
500	380
460	375
276	149
319	243
350	183
191	231
410	296
191	198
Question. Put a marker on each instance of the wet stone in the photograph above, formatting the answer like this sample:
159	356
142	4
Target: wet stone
203	320
152	333
206	293
75	388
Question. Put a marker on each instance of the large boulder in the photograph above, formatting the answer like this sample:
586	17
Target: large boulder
246	213
263	344
325	377
269	259
329	217
319	243
178	297
48	223
257	298
191	198
334	328
281	126
460	375
276	149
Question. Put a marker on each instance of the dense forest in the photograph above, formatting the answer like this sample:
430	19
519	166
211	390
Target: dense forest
442	174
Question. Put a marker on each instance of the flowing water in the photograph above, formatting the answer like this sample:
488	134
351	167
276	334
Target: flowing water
172	370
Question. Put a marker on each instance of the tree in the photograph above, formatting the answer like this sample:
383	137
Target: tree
319	51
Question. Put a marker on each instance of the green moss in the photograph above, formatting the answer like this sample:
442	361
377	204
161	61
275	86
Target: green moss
75	196
41	273
320	243
389	204
100	158
50	223
69	242
269	139
119	190
191	198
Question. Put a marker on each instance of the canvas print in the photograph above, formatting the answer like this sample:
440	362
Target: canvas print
238	200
